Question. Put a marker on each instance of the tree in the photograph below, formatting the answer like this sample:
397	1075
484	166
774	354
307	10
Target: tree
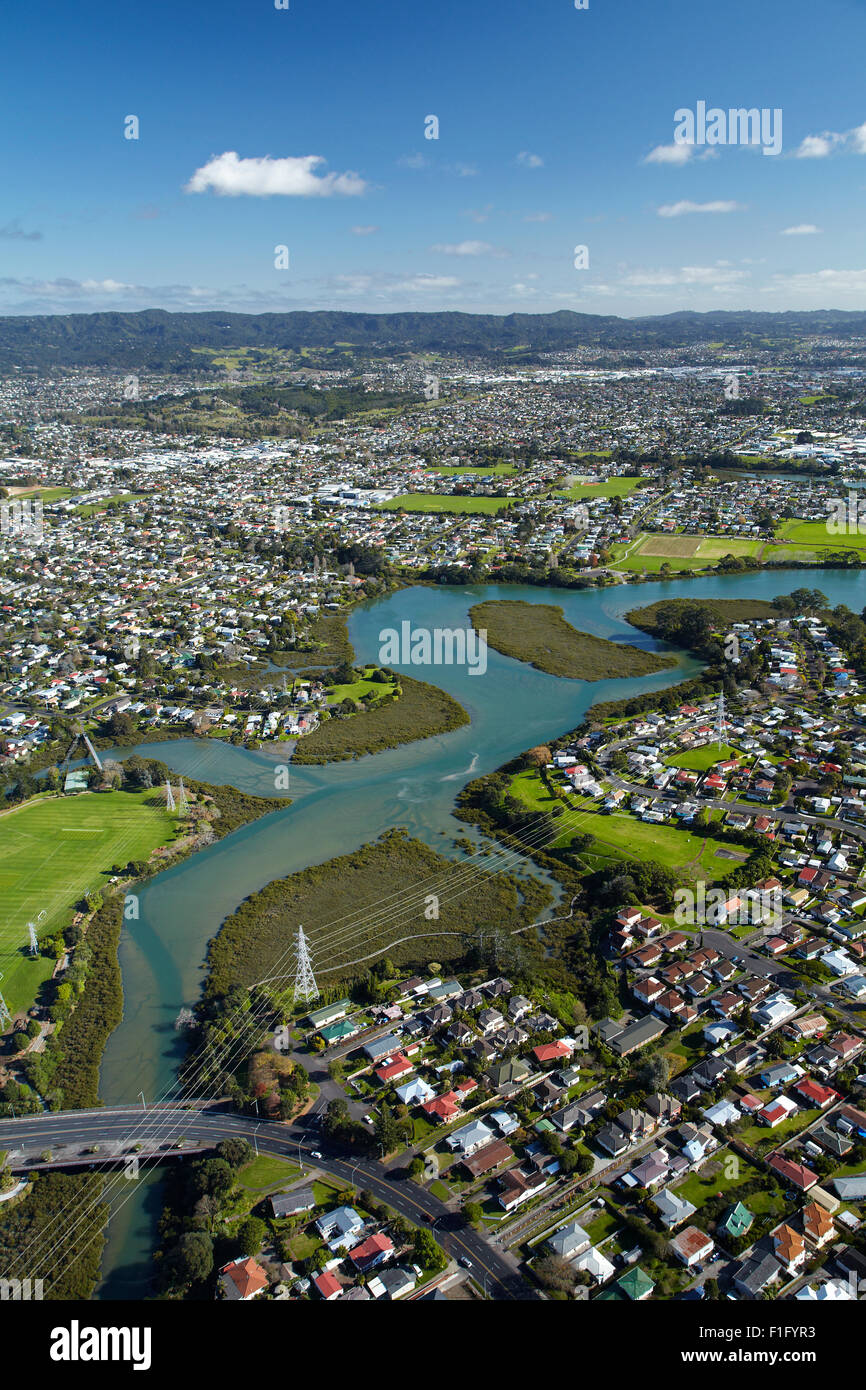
336	1119
191	1260
387	1129
655	1072
235	1152
212	1177
473	1212
428	1254
250	1235
112	773
555	1273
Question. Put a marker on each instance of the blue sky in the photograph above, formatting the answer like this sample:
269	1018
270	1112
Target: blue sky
305	128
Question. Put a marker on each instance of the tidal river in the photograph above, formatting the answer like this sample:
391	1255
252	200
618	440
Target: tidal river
336	808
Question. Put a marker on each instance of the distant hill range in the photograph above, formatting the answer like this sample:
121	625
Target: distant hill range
157	340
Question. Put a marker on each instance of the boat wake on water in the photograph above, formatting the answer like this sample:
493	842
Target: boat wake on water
453	776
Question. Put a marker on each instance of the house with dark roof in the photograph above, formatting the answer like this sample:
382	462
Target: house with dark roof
755	1274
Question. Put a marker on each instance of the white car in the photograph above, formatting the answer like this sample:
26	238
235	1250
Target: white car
315	1154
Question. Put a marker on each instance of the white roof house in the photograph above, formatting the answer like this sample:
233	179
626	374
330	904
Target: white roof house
470	1138
596	1264
415	1092
839	963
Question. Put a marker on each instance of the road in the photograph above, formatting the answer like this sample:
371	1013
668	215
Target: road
121	1129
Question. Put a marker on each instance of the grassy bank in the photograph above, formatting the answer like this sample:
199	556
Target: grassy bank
365	904
420	711
538	633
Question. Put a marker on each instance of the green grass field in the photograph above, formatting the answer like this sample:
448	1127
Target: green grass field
54	852
440	502
699	1187
681	552
621	836
264	1173
815	535
614	487
45	494
360	687
91	508
701	759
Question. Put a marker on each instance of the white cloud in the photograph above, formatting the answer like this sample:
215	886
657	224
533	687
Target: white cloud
105	286
823	145
538	217
858	138
684	206
364	231
427	282
670	154
823	282
230	176
466	248
413	161
801	229
719	277
530	161
818	146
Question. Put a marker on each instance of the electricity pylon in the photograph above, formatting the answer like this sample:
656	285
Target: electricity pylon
306	988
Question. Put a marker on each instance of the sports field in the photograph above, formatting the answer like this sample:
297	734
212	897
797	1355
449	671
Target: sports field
442	502
484	471
703	758
55	851
651	551
817	535
613	487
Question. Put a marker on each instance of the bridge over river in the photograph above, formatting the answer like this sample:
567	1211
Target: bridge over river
119	1135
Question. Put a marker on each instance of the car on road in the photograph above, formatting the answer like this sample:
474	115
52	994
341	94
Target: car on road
315	1154
466	1262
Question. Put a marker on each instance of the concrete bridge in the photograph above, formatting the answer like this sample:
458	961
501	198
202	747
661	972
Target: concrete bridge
125	1136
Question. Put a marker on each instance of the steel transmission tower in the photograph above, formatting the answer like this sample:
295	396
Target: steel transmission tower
169	797
721	722
5	1016
306	988
182	803
34	941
